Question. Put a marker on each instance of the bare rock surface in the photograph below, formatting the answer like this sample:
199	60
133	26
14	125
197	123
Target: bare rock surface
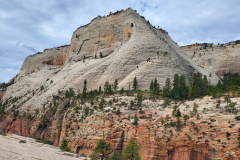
219	59
14	147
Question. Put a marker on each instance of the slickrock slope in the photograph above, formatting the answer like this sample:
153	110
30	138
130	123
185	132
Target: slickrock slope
219	59
130	47
15	147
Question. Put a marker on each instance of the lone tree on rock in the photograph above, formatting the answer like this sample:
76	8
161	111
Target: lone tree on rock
115	86
103	149
185	117
135	120
64	146
135	83
131	152
84	93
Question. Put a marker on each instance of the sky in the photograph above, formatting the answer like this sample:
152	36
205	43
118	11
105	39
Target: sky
30	26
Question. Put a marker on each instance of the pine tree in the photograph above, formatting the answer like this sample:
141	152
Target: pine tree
118	111
100	89
195	109
183	89
162	121
115	86
176	82
115	156
189	92
103	149
121	91
185	117
135	83
109	89
84	93
135	120
64	146
151	86
131	104
178	125
219	85
139	99
168	86
101	55
106	87
132	151
205	85
155	85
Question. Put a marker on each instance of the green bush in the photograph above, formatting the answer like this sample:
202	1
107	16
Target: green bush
64	146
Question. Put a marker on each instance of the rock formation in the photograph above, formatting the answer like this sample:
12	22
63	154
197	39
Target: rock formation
129	47
200	138
219	59
17	147
120	46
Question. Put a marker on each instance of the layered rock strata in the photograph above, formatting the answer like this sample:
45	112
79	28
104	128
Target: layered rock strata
219	59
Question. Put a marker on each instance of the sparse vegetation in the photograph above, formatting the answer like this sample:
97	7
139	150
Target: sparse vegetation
64	146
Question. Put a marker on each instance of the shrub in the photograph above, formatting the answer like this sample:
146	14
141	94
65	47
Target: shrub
64	146
228	134
118	111
135	120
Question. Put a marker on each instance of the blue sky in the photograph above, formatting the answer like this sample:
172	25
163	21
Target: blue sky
30	26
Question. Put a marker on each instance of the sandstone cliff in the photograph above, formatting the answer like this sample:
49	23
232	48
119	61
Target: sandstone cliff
219	59
199	138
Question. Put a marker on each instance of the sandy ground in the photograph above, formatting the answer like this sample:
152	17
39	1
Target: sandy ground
12	149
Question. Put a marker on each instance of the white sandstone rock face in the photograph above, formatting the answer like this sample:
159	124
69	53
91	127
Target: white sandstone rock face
219	59
130	47
12	149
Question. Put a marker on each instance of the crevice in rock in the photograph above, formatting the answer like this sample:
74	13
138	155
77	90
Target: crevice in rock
82	45
10	125
120	145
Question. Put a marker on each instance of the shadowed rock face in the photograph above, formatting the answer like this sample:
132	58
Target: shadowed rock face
36	62
218	59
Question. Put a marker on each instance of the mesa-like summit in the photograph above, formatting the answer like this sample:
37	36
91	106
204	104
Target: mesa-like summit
123	81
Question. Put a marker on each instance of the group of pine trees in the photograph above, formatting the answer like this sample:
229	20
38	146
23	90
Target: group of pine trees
198	86
179	88
155	87
103	150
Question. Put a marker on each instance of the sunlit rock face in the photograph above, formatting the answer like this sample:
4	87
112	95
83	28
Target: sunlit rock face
219	59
